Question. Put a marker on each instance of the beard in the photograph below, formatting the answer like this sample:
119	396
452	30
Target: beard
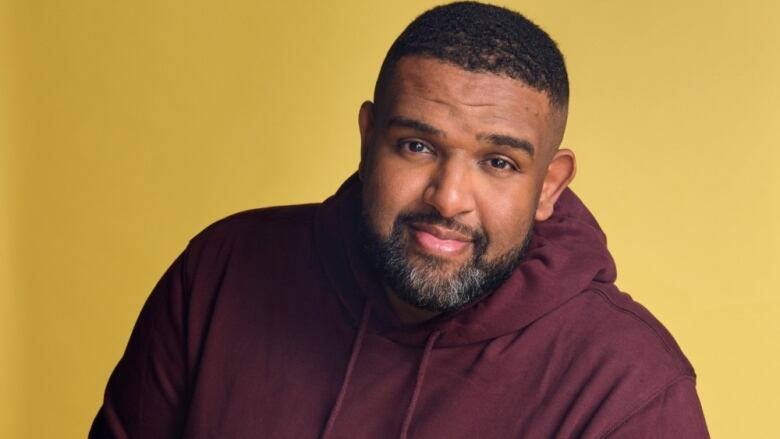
429	282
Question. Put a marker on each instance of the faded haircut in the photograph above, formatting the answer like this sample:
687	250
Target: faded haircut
483	38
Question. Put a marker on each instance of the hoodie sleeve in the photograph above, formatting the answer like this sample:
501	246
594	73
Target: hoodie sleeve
673	413
145	396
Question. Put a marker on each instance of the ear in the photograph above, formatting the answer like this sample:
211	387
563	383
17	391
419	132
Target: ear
366	125
560	172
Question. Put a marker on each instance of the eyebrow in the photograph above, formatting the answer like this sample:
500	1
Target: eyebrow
495	139
405	122
501	139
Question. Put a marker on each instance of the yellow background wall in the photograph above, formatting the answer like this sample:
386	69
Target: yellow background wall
126	127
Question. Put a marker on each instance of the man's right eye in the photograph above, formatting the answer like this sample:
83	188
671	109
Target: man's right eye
415	146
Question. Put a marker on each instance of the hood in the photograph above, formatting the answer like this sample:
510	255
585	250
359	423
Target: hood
567	253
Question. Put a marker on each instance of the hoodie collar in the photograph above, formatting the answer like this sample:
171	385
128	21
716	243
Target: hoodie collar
567	253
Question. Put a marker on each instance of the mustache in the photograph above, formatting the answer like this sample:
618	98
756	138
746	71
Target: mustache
434	218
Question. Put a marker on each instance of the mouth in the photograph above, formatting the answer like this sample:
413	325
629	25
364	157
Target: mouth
438	240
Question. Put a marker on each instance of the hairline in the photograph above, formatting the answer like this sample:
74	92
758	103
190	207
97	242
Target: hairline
559	110
389	64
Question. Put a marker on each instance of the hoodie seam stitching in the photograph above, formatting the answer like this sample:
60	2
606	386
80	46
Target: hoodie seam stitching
646	402
658	336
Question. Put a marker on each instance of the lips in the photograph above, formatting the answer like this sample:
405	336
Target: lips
439	240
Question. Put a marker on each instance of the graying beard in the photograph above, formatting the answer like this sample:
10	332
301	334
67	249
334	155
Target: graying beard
421	285
433	291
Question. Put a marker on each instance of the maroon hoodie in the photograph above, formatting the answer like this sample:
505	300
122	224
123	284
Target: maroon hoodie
272	325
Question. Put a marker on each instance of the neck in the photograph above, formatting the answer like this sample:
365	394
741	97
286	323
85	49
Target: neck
409	314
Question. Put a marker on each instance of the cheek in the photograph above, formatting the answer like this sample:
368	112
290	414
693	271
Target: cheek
507	220
388	191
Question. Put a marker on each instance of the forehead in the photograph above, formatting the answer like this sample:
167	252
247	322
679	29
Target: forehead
458	100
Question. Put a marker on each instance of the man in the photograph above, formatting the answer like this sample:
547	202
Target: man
453	288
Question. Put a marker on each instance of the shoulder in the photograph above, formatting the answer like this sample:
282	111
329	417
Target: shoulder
262	220
258	235
612	328
266	223
629	358
636	332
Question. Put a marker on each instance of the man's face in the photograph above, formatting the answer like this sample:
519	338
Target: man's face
453	166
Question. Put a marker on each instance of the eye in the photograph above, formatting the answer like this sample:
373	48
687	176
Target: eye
502	164
414	146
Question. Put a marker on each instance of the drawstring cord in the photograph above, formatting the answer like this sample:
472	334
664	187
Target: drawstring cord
418	383
358	343
334	412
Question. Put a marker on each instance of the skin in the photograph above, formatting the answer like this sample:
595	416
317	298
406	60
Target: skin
478	148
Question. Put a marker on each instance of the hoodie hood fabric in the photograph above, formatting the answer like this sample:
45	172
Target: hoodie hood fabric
567	257
567	253
271	325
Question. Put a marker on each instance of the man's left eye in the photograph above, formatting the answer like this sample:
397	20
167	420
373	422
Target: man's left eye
500	164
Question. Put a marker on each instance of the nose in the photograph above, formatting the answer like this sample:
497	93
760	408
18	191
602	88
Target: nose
449	190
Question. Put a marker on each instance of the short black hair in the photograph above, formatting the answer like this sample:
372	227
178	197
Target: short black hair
484	38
